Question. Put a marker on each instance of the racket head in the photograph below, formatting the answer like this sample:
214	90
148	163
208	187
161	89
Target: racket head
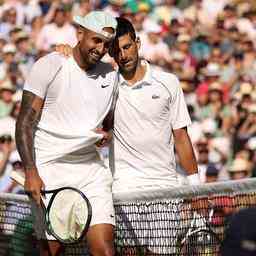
68	215
200	242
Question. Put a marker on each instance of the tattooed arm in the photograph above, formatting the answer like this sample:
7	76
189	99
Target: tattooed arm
31	107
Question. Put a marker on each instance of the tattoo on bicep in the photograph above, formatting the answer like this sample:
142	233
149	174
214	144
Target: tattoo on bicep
25	127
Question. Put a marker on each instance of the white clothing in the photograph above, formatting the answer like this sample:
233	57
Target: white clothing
7	126
143	149
75	104
93	180
51	35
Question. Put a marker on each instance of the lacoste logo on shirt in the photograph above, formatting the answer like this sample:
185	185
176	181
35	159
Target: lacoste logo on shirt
154	96
105	85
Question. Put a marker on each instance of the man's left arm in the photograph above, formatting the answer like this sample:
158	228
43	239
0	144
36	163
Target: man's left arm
186	154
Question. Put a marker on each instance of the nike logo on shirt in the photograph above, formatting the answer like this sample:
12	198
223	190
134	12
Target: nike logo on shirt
154	96
105	85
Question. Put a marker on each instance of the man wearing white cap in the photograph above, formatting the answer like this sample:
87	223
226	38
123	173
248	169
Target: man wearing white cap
64	101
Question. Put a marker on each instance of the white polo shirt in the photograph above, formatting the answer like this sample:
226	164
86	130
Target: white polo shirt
76	102
143	148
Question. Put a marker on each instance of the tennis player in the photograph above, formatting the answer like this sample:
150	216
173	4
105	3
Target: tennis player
151	118
64	101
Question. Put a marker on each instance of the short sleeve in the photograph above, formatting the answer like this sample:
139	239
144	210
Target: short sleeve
178	109
42	74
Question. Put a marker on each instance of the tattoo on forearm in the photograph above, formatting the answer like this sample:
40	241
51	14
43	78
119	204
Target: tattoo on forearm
25	127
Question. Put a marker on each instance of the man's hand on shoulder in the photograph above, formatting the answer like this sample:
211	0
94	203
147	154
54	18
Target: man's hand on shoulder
64	49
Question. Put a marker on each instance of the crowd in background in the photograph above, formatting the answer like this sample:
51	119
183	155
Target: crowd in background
208	44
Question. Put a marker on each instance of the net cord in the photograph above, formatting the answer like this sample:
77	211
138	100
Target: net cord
229	187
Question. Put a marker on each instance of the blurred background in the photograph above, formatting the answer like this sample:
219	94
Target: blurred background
208	44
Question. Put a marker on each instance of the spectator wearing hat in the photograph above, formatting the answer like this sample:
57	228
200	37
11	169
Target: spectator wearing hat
24	56
7	123
8	58
10	67
182	53
153	48
239	169
6	103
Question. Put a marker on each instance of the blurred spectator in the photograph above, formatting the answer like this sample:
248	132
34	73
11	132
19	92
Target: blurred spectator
167	11
6	148
8	58
25	55
7	123
153	48
6	103
239	169
212	173
217	110
9	21
58	31
240	237
82	7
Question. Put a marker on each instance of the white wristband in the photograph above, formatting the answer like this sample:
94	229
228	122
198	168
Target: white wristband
194	179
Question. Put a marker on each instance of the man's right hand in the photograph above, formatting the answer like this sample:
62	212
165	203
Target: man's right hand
64	49
34	184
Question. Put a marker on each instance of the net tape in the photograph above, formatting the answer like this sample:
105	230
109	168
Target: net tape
164	221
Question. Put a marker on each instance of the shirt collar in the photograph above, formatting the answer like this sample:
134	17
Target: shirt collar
147	79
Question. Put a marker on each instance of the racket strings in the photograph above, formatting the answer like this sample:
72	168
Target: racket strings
68	215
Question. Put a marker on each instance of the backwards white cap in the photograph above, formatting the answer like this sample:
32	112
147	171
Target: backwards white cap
96	21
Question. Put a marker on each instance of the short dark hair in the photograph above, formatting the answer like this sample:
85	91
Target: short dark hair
124	27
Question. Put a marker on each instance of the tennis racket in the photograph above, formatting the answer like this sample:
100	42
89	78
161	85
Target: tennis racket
200	239
68	214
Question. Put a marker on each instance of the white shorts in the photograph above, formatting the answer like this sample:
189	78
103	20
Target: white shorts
149	225
92	178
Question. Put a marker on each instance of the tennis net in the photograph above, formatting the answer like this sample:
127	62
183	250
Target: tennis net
182	221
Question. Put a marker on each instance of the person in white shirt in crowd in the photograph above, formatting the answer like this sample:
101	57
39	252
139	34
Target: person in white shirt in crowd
8	21
8	57
59	31
64	101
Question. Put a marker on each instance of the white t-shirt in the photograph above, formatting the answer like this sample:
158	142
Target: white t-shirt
143	144
51	35
76	102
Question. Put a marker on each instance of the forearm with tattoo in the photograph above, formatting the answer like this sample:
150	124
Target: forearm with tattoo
28	118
